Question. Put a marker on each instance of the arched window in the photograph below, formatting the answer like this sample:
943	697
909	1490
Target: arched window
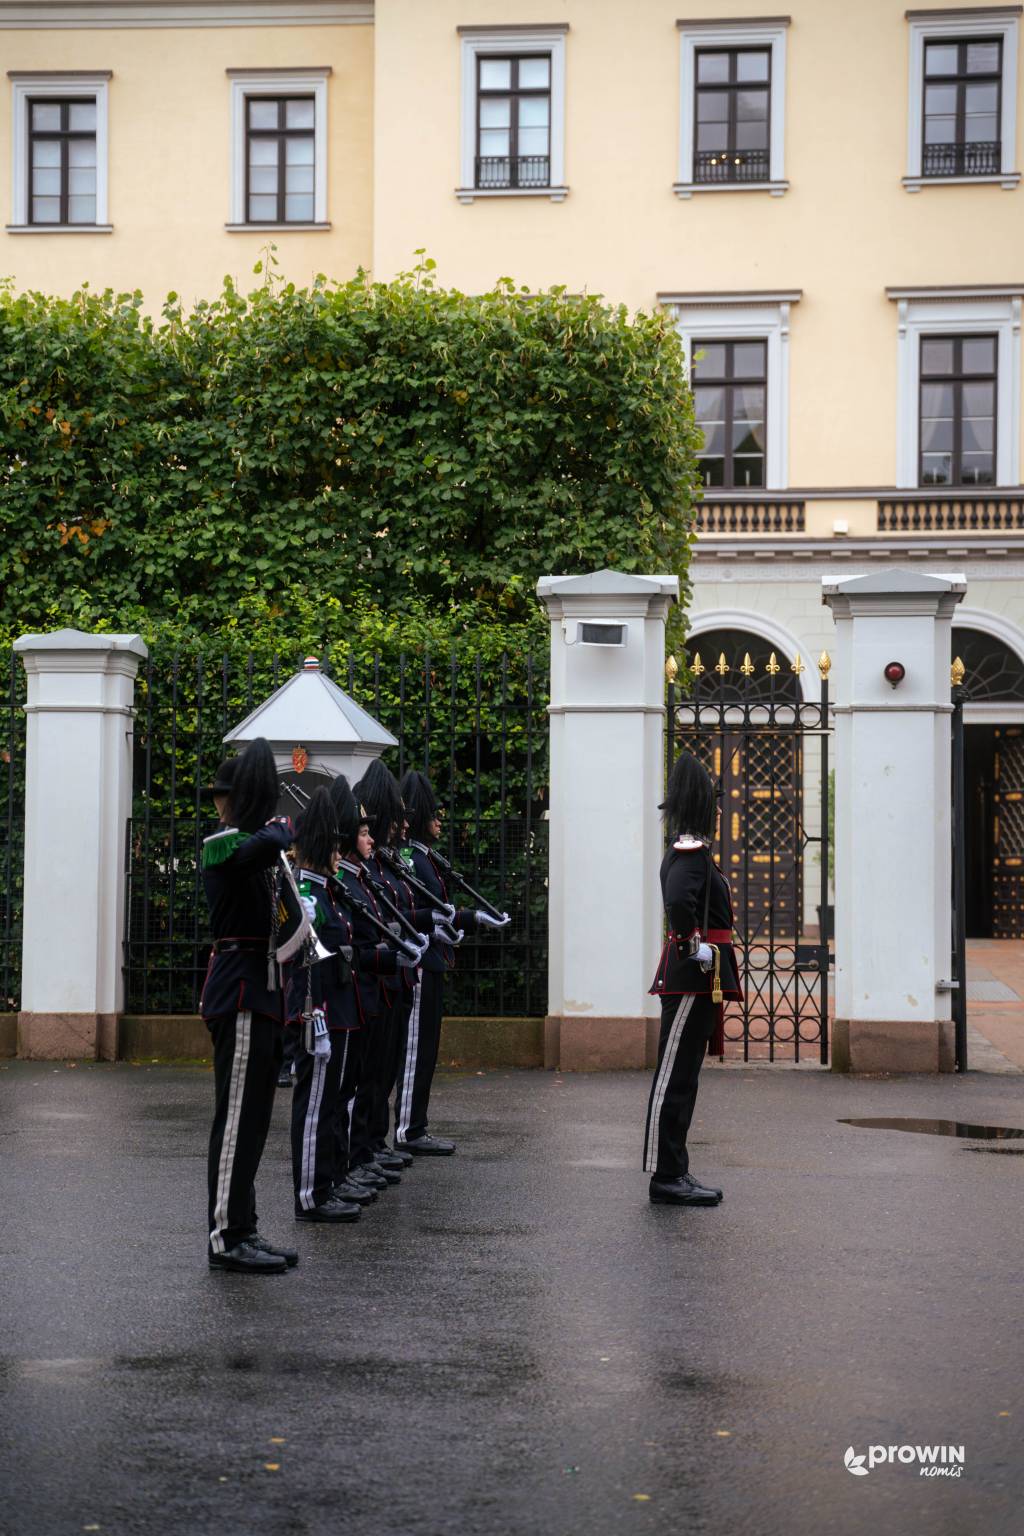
735	645
993	673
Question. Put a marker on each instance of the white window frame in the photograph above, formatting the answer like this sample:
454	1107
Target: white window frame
930	314
733	34
933	26
747	317
477	42
26	86
248	83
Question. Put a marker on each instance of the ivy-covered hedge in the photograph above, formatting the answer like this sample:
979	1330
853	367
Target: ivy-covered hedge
384	439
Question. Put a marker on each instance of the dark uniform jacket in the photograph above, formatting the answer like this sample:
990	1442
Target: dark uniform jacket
239	881
440	956
373	959
404	898
329	983
685	871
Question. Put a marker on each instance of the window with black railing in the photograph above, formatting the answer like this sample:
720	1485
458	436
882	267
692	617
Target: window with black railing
962	105
732	112
513	141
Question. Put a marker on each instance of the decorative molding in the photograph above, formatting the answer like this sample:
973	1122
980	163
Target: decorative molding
60	74
738	316
278	82
963	291
918	183
470	194
928	26
736	296
24	85
769	32
686	23
84	15
278	229
513	29
994	624
686	189
300	72
477	41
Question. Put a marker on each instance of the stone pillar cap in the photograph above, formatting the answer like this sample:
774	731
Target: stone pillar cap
78	640
609	584
881	583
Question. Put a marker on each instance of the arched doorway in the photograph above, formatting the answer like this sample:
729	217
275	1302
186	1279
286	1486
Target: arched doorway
994	784
762	776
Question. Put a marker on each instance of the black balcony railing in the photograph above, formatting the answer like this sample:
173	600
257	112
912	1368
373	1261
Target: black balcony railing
713	165
495	171
980	159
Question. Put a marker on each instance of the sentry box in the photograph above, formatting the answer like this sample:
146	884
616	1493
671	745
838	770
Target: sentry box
600	632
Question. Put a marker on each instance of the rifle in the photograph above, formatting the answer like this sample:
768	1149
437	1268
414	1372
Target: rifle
396	866
464	885
363	909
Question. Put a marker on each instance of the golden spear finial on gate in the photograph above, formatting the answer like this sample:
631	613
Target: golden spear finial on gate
697	667
671	668
748	666
957	673
824	663
797	666
722	665
773	667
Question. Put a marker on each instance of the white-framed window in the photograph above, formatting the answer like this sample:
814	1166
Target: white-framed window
945	422
962	98
279	149
742	394
732	113
59	146
512	136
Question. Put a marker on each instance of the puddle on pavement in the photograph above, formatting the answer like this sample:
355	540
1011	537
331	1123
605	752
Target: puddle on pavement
942	1128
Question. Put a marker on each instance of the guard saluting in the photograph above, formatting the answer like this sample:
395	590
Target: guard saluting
243	999
697	970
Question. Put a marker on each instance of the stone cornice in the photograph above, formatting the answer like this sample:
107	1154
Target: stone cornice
66	15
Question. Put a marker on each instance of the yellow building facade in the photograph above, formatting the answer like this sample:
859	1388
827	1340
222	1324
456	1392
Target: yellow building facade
828	203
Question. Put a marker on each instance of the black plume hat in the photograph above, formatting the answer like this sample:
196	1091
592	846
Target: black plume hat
223	779
380	795
316	831
253	788
420	802
690	801
347	813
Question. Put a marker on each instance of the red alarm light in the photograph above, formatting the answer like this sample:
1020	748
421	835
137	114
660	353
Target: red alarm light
895	672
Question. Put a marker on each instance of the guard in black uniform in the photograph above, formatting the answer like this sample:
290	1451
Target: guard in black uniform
696	972
423	1036
243	1000
378	793
324	1019
376	962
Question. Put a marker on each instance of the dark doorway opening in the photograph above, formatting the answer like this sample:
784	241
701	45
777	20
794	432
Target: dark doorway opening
979	766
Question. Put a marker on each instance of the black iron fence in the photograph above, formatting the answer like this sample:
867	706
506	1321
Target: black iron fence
723	165
477	727
12	825
497	171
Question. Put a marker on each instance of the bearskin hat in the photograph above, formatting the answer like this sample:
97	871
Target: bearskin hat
690	801
420	802
316	832
347	813
379	794
254	786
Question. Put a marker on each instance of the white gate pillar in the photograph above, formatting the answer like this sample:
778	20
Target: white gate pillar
892	821
607	717
78	796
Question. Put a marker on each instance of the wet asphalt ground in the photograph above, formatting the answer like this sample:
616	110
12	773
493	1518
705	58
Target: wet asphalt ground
514	1341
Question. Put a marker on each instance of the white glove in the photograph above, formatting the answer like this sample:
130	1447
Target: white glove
704	957
309	907
407	962
448	910
485	920
443	914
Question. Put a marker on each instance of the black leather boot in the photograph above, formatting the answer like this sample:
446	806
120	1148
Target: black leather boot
682	1191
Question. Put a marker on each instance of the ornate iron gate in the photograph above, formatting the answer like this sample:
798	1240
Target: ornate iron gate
769	748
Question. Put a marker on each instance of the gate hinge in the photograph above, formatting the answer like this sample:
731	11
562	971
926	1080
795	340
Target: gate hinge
947	986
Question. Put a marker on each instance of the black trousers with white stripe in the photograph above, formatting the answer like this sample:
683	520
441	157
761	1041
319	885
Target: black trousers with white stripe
247	1050
345	1107
687	1024
371	1105
321	1082
423	1038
